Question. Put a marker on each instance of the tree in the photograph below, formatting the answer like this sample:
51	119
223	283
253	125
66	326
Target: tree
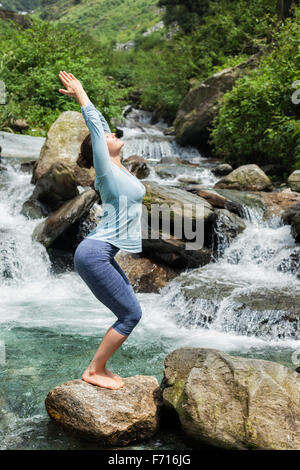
283	8
187	13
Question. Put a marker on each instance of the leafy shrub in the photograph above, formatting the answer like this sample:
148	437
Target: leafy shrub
257	120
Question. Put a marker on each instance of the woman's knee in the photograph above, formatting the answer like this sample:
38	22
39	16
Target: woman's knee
135	316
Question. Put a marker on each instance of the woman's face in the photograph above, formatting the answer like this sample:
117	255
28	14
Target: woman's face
114	144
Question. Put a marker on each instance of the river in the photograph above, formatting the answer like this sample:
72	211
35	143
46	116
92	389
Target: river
51	324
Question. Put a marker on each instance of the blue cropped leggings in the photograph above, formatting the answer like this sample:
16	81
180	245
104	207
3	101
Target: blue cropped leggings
94	262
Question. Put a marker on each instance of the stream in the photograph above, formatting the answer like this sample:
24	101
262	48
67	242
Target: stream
51	324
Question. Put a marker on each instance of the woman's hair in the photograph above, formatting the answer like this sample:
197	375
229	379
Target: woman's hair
85	157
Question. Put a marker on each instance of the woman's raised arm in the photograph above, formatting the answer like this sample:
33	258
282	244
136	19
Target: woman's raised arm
94	120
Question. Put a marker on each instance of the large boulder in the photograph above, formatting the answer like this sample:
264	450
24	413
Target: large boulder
62	144
109	417
294	181
296	226
232	402
198	108
137	165
184	209
54	187
246	178
144	274
62	219
167	244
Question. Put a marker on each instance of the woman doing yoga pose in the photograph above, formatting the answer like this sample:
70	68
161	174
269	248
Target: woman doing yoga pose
119	229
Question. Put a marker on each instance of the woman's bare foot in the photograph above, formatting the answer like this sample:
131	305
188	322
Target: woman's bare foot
114	376
102	380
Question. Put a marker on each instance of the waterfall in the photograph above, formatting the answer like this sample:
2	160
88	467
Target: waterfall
51	324
253	288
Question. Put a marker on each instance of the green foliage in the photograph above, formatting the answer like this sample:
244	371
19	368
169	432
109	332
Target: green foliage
186	13
104	20
257	120
161	69
20	5
30	61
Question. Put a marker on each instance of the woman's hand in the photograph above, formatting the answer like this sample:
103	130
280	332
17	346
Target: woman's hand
73	86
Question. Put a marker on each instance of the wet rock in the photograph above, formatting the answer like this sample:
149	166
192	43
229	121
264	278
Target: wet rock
109	417
291	264
168	243
62	144
169	131
55	187
227	227
232	402
294	181
34	209
292	216
222	169
62	219
20	146
219	201
17	125
277	203
198	108
84	176
144	275
246	178
295	225
137	165
174	170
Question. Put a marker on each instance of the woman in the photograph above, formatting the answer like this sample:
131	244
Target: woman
119	229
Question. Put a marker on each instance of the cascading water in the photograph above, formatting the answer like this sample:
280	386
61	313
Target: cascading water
252	289
51	324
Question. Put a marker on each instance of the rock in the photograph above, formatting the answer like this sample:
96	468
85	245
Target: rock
62	144
294	181
69	213
143	274
169	130
227	227
184	210
220	202
183	171
17	125
109	417
232	402
246	178
9	15
292	216
34	209
137	165
188	180
222	169
291	264
295	225
20	146
198	108
212	295
84	176
55	187
278	203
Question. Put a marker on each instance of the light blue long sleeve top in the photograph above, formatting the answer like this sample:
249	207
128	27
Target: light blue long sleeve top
121	192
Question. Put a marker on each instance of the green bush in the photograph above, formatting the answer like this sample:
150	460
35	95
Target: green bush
257	120
30	61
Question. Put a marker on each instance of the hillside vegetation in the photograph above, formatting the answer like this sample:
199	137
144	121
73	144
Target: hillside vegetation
110	21
257	120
